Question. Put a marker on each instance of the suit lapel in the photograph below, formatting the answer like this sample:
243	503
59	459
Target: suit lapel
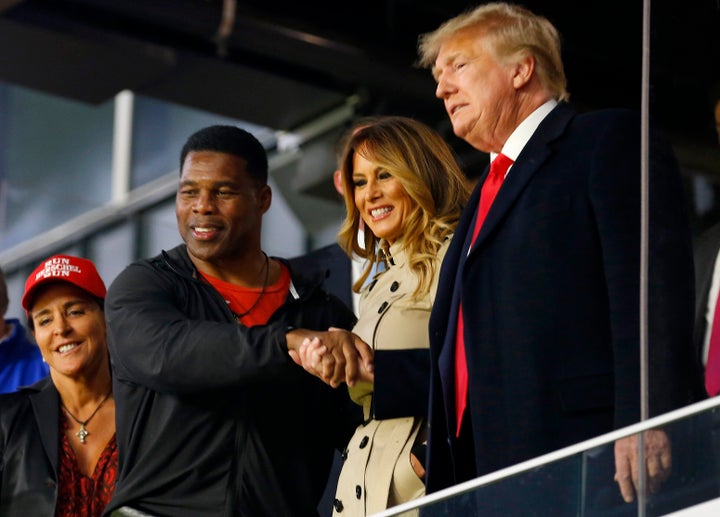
537	150
46	407
442	316
443	319
445	309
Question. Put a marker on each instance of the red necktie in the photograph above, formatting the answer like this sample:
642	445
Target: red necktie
498	169
712	366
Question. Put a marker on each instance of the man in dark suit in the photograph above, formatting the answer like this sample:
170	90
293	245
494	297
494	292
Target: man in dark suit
543	302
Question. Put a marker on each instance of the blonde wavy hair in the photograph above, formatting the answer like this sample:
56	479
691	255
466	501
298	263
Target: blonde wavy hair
425	166
509	31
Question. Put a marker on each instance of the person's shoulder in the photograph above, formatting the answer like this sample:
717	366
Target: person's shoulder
320	264
604	126
609	115
306	276
13	400
313	257
332	248
19	338
314	297
174	261
15	413
11	405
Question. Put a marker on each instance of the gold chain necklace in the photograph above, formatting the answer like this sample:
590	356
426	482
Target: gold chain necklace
83	433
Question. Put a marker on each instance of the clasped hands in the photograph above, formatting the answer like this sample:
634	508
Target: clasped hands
334	356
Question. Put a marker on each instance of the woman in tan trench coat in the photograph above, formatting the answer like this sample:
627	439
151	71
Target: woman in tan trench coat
402	181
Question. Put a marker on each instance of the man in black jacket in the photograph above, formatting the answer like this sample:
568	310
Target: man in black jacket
213	417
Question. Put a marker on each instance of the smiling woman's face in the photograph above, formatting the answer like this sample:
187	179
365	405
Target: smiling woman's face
69	327
381	199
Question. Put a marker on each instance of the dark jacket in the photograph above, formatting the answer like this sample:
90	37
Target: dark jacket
213	418
334	265
550	293
29	450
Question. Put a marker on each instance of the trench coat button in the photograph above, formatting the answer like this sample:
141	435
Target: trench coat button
344	454
364	442
394	287
382	307
337	504
358	491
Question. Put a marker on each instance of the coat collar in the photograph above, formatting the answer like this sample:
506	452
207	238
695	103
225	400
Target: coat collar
534	154
45	401
178	261
394	255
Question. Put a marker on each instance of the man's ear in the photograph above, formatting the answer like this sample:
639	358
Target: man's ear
523	71
264	196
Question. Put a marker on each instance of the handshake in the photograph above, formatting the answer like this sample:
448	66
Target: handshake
334	356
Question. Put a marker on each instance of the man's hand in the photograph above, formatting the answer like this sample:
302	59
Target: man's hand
658	462
334	356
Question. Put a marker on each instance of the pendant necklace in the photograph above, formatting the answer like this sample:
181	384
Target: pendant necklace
262	291
83	433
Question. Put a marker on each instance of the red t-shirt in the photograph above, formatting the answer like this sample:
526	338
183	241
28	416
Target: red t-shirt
77	493
251	305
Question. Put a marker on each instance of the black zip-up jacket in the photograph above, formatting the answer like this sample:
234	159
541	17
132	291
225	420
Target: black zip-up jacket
214	418
29	450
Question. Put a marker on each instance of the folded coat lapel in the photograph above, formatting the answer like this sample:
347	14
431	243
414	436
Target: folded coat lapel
46	407
443	319
534	154
512	187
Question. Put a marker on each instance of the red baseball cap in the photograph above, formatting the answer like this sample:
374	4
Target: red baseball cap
64	268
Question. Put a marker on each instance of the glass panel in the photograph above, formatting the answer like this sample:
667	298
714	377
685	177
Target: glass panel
582	484
15	288
112	250
160	130
159	228
283	235
55	161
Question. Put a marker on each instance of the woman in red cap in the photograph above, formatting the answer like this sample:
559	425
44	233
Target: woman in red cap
57	437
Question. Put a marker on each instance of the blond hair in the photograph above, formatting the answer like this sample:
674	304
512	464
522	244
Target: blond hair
509	30
425	166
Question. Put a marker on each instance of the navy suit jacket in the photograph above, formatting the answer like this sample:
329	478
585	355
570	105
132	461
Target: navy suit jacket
550	293
29	450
